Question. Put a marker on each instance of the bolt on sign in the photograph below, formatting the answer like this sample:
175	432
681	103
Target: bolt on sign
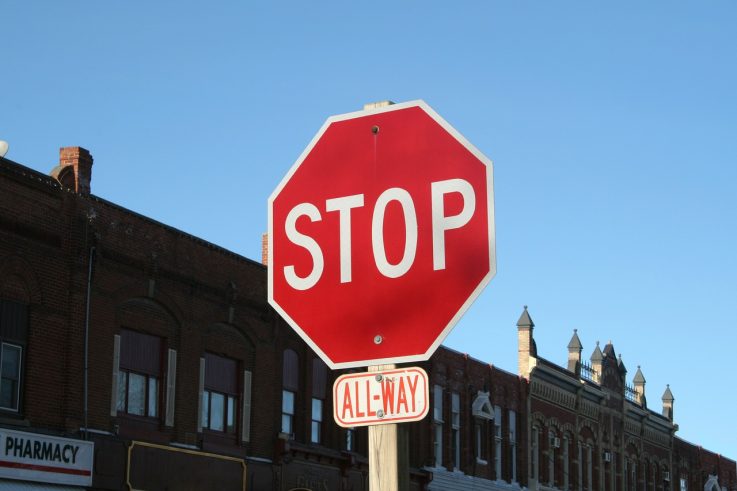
381	235
388	396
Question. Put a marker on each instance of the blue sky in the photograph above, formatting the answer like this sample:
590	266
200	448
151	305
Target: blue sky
612	127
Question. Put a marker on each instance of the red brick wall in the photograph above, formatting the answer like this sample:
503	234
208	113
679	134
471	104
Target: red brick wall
459	373
147	277
696	464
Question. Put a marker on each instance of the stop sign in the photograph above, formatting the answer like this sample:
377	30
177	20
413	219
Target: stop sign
381	235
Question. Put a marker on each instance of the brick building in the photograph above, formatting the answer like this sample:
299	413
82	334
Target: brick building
136	356
589	429
475	434
154	345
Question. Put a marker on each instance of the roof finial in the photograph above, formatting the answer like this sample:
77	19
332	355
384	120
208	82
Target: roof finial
525	307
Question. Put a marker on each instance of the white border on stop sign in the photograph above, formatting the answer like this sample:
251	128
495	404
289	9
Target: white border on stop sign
490	214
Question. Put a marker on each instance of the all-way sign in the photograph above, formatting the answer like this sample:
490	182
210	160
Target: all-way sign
389	396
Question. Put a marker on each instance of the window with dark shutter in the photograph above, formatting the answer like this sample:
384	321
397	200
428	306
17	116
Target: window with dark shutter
220	397
140	374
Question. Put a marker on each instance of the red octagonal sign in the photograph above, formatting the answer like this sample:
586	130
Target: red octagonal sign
381	235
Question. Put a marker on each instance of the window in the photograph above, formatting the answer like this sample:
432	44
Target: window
589	468
655	476
613	473
483	416
552	451
438	444
513	444
290	377
13	330
287	412
220	396
319	382
684	483
316	420
566	464
349	440
437	417
498	442
139	374
535	451
634	476
10	360
580	466
246	414
456	429
644	475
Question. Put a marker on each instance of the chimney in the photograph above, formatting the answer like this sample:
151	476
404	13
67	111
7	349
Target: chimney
74	170
527	352
668	403
377	105
574	354
265	249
